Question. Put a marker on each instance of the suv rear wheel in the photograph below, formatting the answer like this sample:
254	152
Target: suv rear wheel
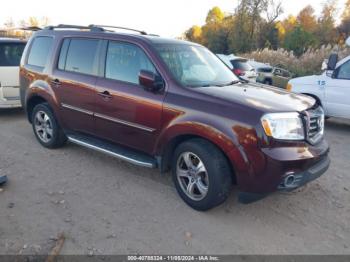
201	174
46	128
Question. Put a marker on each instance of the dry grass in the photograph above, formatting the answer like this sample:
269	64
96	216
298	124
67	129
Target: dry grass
307	64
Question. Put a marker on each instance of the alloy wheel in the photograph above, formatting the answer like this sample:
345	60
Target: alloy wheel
43	126
192	176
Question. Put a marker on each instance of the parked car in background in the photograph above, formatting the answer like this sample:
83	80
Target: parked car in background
331	89
240	66
274	76
170	104
10	55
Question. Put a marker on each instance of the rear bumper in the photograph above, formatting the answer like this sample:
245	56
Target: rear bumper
10	103
11	100
300	179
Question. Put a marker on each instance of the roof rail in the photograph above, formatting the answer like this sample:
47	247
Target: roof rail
96	28
64	26
118	27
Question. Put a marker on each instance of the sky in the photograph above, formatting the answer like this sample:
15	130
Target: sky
168	18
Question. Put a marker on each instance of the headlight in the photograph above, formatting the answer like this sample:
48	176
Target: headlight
289	87
285	126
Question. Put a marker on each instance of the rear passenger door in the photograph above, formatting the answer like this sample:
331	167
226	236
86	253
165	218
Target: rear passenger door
126	113
74	82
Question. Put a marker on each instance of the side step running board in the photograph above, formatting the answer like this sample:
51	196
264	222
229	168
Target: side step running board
123	153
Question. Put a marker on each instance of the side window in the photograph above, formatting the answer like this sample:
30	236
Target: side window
344	71
278	72
39	51
10	53
125	61
78	55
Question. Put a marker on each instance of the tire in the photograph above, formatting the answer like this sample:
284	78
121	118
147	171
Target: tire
44	122
215	180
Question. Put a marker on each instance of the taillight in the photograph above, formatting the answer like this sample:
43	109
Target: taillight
238	72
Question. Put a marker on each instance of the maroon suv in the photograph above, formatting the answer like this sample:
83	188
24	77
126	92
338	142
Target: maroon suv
165	103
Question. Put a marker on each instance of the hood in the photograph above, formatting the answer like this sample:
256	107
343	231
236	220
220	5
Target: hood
305	80
261	97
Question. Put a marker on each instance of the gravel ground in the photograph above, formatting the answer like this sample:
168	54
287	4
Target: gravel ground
106	206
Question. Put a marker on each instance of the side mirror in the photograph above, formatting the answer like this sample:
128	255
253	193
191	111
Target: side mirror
332	62
347	42
150	81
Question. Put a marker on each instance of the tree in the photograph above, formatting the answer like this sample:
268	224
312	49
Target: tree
299	40
194	34
326	31
214	33
307	19
253	23
215	15
344	27
286	26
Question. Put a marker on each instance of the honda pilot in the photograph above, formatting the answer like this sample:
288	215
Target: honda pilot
170	104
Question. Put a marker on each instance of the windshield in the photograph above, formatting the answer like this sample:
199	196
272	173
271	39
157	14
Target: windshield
264	70
242	65
11	53
195	66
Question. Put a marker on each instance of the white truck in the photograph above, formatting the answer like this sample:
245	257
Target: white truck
10	55
331	89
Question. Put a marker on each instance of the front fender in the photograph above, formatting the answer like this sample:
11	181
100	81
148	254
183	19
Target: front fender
221	133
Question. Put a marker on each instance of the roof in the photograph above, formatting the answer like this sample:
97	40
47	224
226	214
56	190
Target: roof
11	40
102	31
257	65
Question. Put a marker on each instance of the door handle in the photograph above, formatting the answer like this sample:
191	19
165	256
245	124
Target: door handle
56	82
105	94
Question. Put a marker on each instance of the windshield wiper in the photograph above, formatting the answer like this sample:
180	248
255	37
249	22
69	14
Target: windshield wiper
194	86
230	83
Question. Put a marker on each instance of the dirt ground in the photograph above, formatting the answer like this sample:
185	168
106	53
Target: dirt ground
106	206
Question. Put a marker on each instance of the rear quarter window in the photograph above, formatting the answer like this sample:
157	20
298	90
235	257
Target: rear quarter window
78	55
39	51
11	53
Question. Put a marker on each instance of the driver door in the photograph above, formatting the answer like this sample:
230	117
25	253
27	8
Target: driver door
338	92
127	113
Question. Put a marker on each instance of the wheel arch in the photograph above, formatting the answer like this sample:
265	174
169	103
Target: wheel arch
182	132
31	103
318	100
40	92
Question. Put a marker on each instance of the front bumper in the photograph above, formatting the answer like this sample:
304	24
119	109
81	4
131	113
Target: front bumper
300	179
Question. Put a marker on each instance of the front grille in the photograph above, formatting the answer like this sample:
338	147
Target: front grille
314	124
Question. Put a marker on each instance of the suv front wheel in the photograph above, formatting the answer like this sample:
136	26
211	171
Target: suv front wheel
201	173
46	128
